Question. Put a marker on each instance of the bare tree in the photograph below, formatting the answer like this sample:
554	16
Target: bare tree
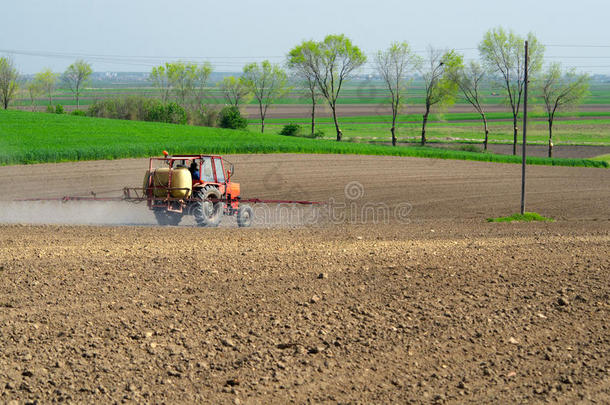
560	92
46	81
267	82
503	53
76	76
234	90
34	90
307	77
8	81
331	62
470	79
394	64
440	89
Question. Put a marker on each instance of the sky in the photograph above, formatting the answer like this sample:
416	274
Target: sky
134	35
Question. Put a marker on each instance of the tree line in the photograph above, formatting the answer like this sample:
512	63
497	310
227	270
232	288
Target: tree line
323	67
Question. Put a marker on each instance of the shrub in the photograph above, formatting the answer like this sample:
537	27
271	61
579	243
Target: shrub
230	117
206	116
50	109
291	130
78	113
318	134
59	109
469	148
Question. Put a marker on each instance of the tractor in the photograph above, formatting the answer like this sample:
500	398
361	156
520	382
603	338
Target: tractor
198	185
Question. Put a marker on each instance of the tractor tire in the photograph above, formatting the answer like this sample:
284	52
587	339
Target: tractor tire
165	217
208	213
244	216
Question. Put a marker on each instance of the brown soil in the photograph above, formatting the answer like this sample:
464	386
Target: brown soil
437	307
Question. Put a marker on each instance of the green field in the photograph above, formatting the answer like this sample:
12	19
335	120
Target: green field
27	137
453	128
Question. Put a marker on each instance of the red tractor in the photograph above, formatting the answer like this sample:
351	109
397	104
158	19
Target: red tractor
198	185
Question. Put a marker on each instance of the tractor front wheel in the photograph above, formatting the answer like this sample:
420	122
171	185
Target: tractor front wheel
208	209
244	216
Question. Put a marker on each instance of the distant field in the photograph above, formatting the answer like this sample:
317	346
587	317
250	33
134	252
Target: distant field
355	92
27	137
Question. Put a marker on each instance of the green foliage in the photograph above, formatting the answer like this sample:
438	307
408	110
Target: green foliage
78	113
525	217
231	118
171	113
76	77
27	137
59	109
503	54
46	81
139	109
50	109
267	82
291	130
234	90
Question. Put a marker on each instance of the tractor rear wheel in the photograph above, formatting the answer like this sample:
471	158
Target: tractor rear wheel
244	216
165	217
206	211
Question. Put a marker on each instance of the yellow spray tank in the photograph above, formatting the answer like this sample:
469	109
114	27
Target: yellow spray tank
181	182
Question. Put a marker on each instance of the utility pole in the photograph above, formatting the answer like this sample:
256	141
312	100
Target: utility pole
524	133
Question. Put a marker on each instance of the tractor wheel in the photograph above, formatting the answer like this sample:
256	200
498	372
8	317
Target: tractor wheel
244	216
206	212
165	217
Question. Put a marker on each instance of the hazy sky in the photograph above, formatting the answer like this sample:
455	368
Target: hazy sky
133	35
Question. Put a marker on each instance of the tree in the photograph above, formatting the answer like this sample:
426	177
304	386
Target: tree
8	81
33	89
503	53
76	76
469	80
234	90
331	62
267	82
181	77
393	65
202	75
438	74
307	77
159	78
46	81
561	91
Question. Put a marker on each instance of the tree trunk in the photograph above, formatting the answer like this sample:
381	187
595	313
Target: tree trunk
339	133
423	127
550	138
393	129
486	131
260	109
313	115
514	134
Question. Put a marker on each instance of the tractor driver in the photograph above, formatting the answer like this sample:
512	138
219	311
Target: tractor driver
194	169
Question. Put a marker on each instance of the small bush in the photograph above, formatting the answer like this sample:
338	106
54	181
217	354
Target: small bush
318	134
50	109
78	113
470	148
291	130
231	118
59	109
